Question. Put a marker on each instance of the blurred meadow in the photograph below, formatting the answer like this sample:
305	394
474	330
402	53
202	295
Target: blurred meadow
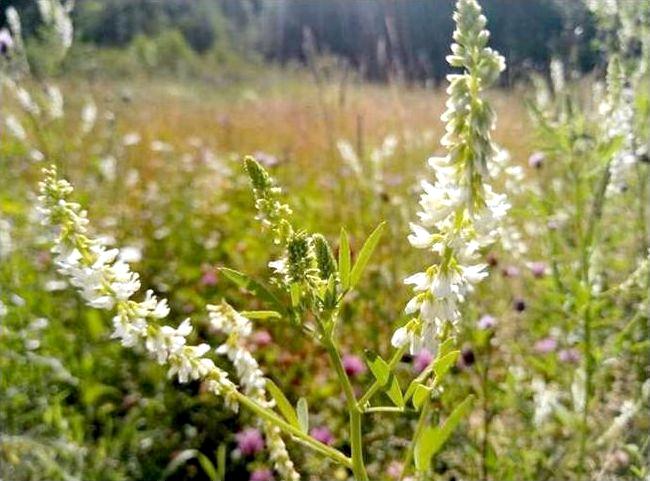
148	108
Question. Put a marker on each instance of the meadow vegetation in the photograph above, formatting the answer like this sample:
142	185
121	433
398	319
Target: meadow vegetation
203	277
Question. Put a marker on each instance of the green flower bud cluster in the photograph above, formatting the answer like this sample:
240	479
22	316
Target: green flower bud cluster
470	120
302	266
272	212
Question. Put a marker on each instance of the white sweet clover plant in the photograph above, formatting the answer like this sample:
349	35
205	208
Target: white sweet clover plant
460	216
460	212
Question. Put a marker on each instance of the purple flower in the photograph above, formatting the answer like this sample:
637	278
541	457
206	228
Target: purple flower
394	470
353	365
538	269
570	355
519	305
536	160
6	42
467	356
209	278
266	159
487	322
422	360
250	441
262	474
261	338
510	271
546	345
322	434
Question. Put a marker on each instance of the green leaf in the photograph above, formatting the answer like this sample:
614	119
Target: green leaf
208	467
420	394
365	253
252	286
446	347
283	403
262	315
394	392
294	290
381	370
433	438
303	415
220	455
179	460
442	365
378	367
344	259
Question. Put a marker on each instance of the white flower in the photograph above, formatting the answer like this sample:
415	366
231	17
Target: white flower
106	281
108	167
88	117
349	156
439	201
26	102
547	401
279	267
279	454
36	155
129	331
225	319
6	242
189	364
131	254
620	119
160	146
421	238
459	213
132	138
627	412
38	324
57	15
400	337
15	128
167	341
55	99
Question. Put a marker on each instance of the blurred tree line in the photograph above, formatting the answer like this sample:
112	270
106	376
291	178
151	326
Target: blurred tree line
382	39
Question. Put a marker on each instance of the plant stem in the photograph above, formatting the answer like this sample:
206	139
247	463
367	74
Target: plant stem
356	442
305	439
587	249
408	458
584	431
383	409
486	414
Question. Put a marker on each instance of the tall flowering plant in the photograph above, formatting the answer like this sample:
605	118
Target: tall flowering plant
601	148
309	285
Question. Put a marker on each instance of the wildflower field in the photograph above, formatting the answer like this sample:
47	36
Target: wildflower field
293	272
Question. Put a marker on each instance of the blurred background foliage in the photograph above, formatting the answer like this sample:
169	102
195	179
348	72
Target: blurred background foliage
380	39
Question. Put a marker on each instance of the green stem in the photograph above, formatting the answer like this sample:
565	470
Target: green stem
408	458
383	409
376	386
485	381
305	439
584	431
587	249
356	442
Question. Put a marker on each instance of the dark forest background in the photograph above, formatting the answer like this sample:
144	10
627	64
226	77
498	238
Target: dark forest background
378	38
